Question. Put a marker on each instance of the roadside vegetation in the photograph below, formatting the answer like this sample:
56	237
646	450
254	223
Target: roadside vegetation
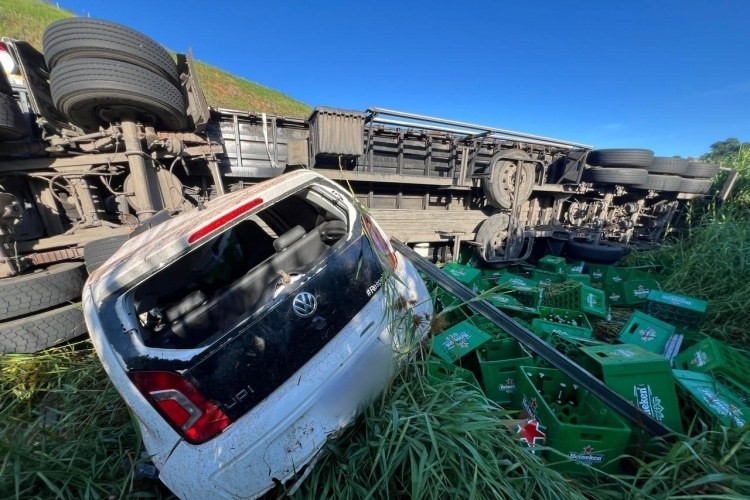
65	433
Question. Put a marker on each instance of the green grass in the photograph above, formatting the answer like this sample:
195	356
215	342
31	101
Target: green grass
64	431
26	20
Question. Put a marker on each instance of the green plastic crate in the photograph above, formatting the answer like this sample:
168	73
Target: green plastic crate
616	275
571	346
488	327
467	275
488	278
711	355
438	371
498	360
458	341
640	376
646	331
635	290
586	433
614	284
511	305
568	346
563	296
584	279
547	278
451	307
553	264
680	310
713	399
576	268
593	301
561	321
523	289
598	273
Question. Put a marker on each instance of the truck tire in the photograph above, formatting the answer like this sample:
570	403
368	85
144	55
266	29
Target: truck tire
603	252
637	158
666	165
40	331
701	170
656	182
97	252
695	186
5	87
93	92
12	124
492	239
500	186
29	293
80	37
610	175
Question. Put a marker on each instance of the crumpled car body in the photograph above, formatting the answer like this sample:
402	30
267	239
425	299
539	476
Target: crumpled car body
244	335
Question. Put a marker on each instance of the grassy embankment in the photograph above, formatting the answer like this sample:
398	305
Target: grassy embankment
65	433
26	20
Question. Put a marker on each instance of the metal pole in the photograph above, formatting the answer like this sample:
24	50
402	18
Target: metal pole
535	344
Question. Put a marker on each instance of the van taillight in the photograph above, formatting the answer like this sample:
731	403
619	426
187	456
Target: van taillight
182	405
379	241
223	220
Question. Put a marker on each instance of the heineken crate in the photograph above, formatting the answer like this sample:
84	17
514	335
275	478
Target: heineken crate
561	321
598	272
593	301
488	327
547	278
709	397
571	346
563	296
636	288
511	305
580	426
553	264
523	289
457	341
616	275
739	388
680	310
568	346
438	371
451	307
488	278
575	268
640	376
467	275
584	279
498	360
646	331
711	355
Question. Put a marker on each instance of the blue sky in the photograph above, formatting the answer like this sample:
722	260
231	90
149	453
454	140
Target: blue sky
673	76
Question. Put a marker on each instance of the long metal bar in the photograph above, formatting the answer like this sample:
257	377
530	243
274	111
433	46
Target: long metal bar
470	134
535	344
482	128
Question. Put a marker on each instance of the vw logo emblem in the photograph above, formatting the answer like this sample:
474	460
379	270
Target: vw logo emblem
304	304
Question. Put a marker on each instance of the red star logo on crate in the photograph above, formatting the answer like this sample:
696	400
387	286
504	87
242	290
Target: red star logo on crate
648	335
531	433
588	450
510	381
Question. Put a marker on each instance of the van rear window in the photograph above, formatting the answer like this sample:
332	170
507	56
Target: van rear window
238	272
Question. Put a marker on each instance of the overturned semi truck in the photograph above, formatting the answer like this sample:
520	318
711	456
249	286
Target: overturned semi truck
104	134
